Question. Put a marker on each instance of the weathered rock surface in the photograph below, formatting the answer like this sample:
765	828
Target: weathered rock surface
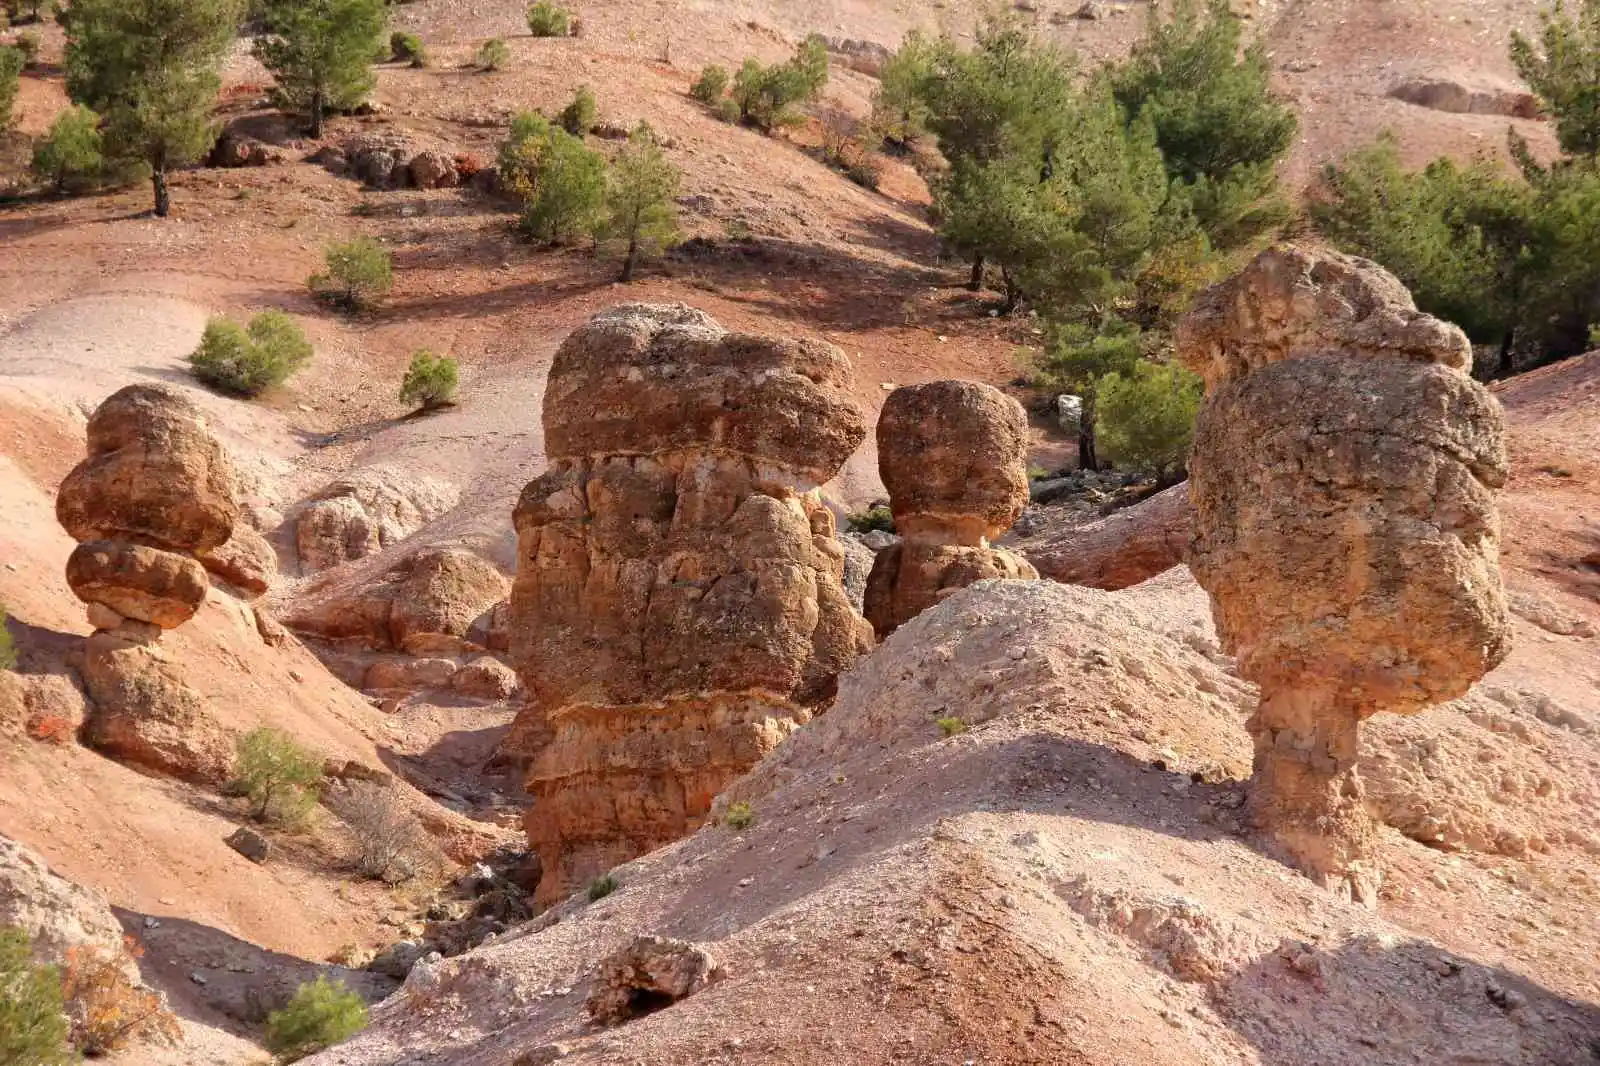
246	561
1121	549
144	713
953	455
486	678
154	476
56	914
145	584
1344	477
360	516
678	605
649	973
428	603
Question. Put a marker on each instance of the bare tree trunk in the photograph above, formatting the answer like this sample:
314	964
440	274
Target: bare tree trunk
158	180
1087	459
627	263
316	114
976	282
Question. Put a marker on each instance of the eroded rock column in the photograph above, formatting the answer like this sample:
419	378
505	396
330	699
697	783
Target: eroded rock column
954	457
1344	476
155	490
678	606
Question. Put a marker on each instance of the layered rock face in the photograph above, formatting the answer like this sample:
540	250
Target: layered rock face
678	606
155	491
1344	477
954	457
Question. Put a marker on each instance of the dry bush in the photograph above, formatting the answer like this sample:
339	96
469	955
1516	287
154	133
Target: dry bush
107	1011
390	843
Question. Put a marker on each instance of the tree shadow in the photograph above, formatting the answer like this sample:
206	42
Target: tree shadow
216	979
1374	1003
806	282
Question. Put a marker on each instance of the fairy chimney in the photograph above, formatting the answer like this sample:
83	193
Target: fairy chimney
953	455
678	605
1344	476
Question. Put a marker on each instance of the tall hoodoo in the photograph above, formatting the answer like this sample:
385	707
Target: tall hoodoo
954	457
1344	476
678	606
155	491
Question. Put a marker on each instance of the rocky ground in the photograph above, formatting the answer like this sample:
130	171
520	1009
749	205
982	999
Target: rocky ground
1062	882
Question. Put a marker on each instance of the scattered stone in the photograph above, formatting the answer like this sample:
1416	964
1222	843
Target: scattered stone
246	561
251	844
433	170
486	678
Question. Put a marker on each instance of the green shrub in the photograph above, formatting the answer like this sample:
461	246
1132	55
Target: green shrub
767	96
493	54
951	726
28	44
246	361
878	518
1146	418
430	381
405	46
601	887
864	170
33	1023
11	64
359	271
739	816
547	20
726	109
8	651
562	184
519	152
321	1014
70	157
578	116
278	776
710	85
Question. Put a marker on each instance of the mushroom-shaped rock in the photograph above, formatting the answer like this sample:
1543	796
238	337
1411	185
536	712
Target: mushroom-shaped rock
678	606
154	475
1343	477
146	584
953	455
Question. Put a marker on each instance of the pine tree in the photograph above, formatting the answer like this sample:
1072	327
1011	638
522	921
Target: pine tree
320	52
641	200
1564	70
149	67
1220	127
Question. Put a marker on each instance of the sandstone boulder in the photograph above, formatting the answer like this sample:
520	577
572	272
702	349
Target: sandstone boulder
445	591
146	584
1121	549
246	561
678	605
143	712
154	476
428	603
56	914
361	515
953	455
486	678
649	973
1344	477
433	170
